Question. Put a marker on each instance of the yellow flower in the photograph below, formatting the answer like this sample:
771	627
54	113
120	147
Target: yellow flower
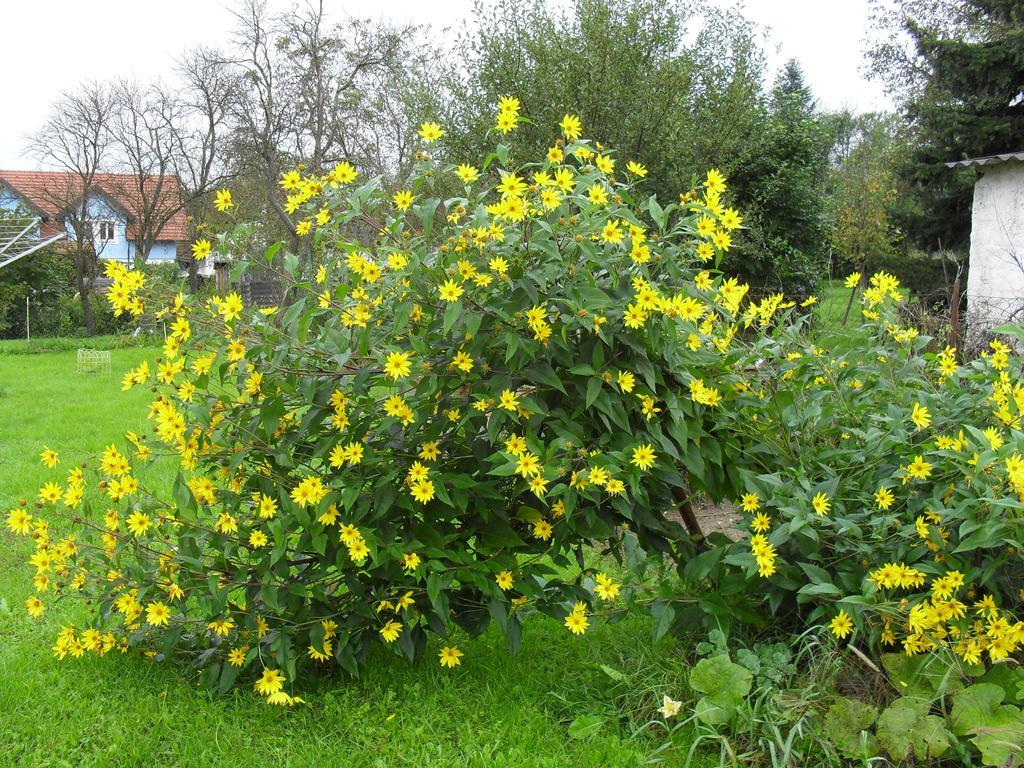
571	127
506	121
398	365
669	707
201	249
49	457
344	173
636	169
509	401
919	468
422	491
410	561
504	581
451	657
884	498
714	181
750	502
270	682
841	625
852	280
230	307
34	606
920	416
605	588
643	457
430	132
391	631
138	523
290	180
450	291
157	614
821	504
597	194
761	522
19	521
467	173
403	200
223	200
612	232
576	622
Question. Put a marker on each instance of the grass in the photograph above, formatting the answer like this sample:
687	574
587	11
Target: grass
495	710
65	344
832	306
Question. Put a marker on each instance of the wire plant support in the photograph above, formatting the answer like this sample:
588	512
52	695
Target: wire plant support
17	241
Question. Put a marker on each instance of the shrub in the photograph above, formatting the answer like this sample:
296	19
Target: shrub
427	433
884	487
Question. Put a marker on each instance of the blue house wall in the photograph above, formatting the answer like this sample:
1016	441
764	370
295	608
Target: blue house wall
8	202
121	248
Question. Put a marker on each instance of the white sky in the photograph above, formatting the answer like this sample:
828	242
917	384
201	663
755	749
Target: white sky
52	45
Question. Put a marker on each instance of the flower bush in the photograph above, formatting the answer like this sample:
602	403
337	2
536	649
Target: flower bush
884	489
446	410
461	393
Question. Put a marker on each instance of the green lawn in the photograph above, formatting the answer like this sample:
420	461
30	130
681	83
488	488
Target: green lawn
494	710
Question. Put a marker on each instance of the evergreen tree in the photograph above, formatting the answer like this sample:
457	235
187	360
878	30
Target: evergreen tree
781	187
960	67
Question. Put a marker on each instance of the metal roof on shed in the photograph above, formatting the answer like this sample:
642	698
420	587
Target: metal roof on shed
1006	157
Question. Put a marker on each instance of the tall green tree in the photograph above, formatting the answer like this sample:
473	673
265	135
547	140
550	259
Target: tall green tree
955	68
781	187
627	69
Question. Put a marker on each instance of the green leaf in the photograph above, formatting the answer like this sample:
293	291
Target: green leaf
905	730
1001	737
542	373
426	211
452	315
586	726
847	725
663	614
291	264
593	390
614	674
724	683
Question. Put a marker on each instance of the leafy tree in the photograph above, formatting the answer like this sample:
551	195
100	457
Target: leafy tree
863	189
677	108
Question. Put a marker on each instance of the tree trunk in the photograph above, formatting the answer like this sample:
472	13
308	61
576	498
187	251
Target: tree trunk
83	293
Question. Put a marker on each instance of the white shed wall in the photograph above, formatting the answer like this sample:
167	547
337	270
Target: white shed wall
995	282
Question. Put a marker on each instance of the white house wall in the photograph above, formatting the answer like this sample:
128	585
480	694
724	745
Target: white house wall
995	282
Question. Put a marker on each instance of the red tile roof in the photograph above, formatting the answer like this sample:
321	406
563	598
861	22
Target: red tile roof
41	190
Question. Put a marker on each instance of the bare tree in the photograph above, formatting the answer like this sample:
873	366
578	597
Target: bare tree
209	87
144	154
76	139
306	91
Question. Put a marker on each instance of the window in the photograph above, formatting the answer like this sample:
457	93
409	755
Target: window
107	231
103	231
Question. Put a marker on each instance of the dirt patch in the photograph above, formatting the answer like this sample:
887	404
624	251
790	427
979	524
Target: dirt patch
715	518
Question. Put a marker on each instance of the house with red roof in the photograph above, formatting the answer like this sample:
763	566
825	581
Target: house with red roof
124	214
